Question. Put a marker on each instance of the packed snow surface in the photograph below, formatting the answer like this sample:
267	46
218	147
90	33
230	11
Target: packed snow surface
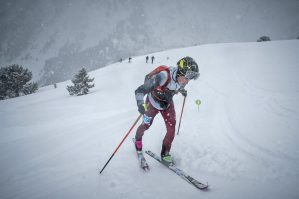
243	139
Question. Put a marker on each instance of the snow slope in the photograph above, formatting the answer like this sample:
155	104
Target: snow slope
243	139
55	38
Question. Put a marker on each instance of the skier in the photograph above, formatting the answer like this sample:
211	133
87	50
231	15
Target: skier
153	59
159	88
146	59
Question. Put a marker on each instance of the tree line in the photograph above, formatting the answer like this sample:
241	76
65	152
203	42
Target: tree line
15	81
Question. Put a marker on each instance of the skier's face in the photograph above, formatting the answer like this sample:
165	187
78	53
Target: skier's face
183	81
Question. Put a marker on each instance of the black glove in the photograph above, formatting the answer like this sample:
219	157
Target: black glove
183	92
142	107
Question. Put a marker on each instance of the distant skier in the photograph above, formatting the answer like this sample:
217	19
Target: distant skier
146	59
153	59
130	59
159	88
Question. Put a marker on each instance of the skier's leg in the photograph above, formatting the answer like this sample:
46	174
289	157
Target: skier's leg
170	122
148	118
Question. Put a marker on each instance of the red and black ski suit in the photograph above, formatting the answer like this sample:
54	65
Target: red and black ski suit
160	86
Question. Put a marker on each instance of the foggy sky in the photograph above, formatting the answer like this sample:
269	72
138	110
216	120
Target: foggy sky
55	38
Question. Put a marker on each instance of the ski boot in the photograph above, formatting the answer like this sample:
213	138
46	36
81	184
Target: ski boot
166	158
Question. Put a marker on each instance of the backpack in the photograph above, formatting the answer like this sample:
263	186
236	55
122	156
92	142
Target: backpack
158	70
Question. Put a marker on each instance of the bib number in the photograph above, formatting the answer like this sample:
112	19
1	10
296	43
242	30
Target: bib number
147	119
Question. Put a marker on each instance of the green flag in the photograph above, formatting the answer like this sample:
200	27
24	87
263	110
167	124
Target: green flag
198	102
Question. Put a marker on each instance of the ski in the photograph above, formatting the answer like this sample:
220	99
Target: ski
180	172
141	159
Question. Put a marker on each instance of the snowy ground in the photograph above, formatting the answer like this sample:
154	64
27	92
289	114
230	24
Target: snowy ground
243	139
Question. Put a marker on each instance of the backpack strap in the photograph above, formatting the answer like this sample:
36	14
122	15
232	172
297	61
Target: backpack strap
158	70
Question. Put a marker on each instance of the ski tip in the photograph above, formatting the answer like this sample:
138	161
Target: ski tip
206	187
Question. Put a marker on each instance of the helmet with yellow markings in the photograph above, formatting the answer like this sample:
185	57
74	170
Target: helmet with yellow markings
188	67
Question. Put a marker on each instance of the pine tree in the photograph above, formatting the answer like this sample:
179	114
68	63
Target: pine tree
81	83
29	88
14	81
264	38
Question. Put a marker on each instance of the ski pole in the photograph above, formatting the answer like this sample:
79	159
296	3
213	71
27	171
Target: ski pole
121	143
181	115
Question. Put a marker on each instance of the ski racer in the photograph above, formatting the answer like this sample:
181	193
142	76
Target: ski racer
158	90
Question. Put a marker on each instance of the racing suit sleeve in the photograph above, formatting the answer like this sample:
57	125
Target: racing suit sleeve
150	83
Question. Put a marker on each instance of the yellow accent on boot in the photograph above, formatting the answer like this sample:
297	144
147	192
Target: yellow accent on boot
167	158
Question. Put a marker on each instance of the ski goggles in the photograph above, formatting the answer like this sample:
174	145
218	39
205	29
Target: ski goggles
191	75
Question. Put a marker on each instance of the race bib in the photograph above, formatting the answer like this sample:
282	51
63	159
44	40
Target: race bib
147	119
